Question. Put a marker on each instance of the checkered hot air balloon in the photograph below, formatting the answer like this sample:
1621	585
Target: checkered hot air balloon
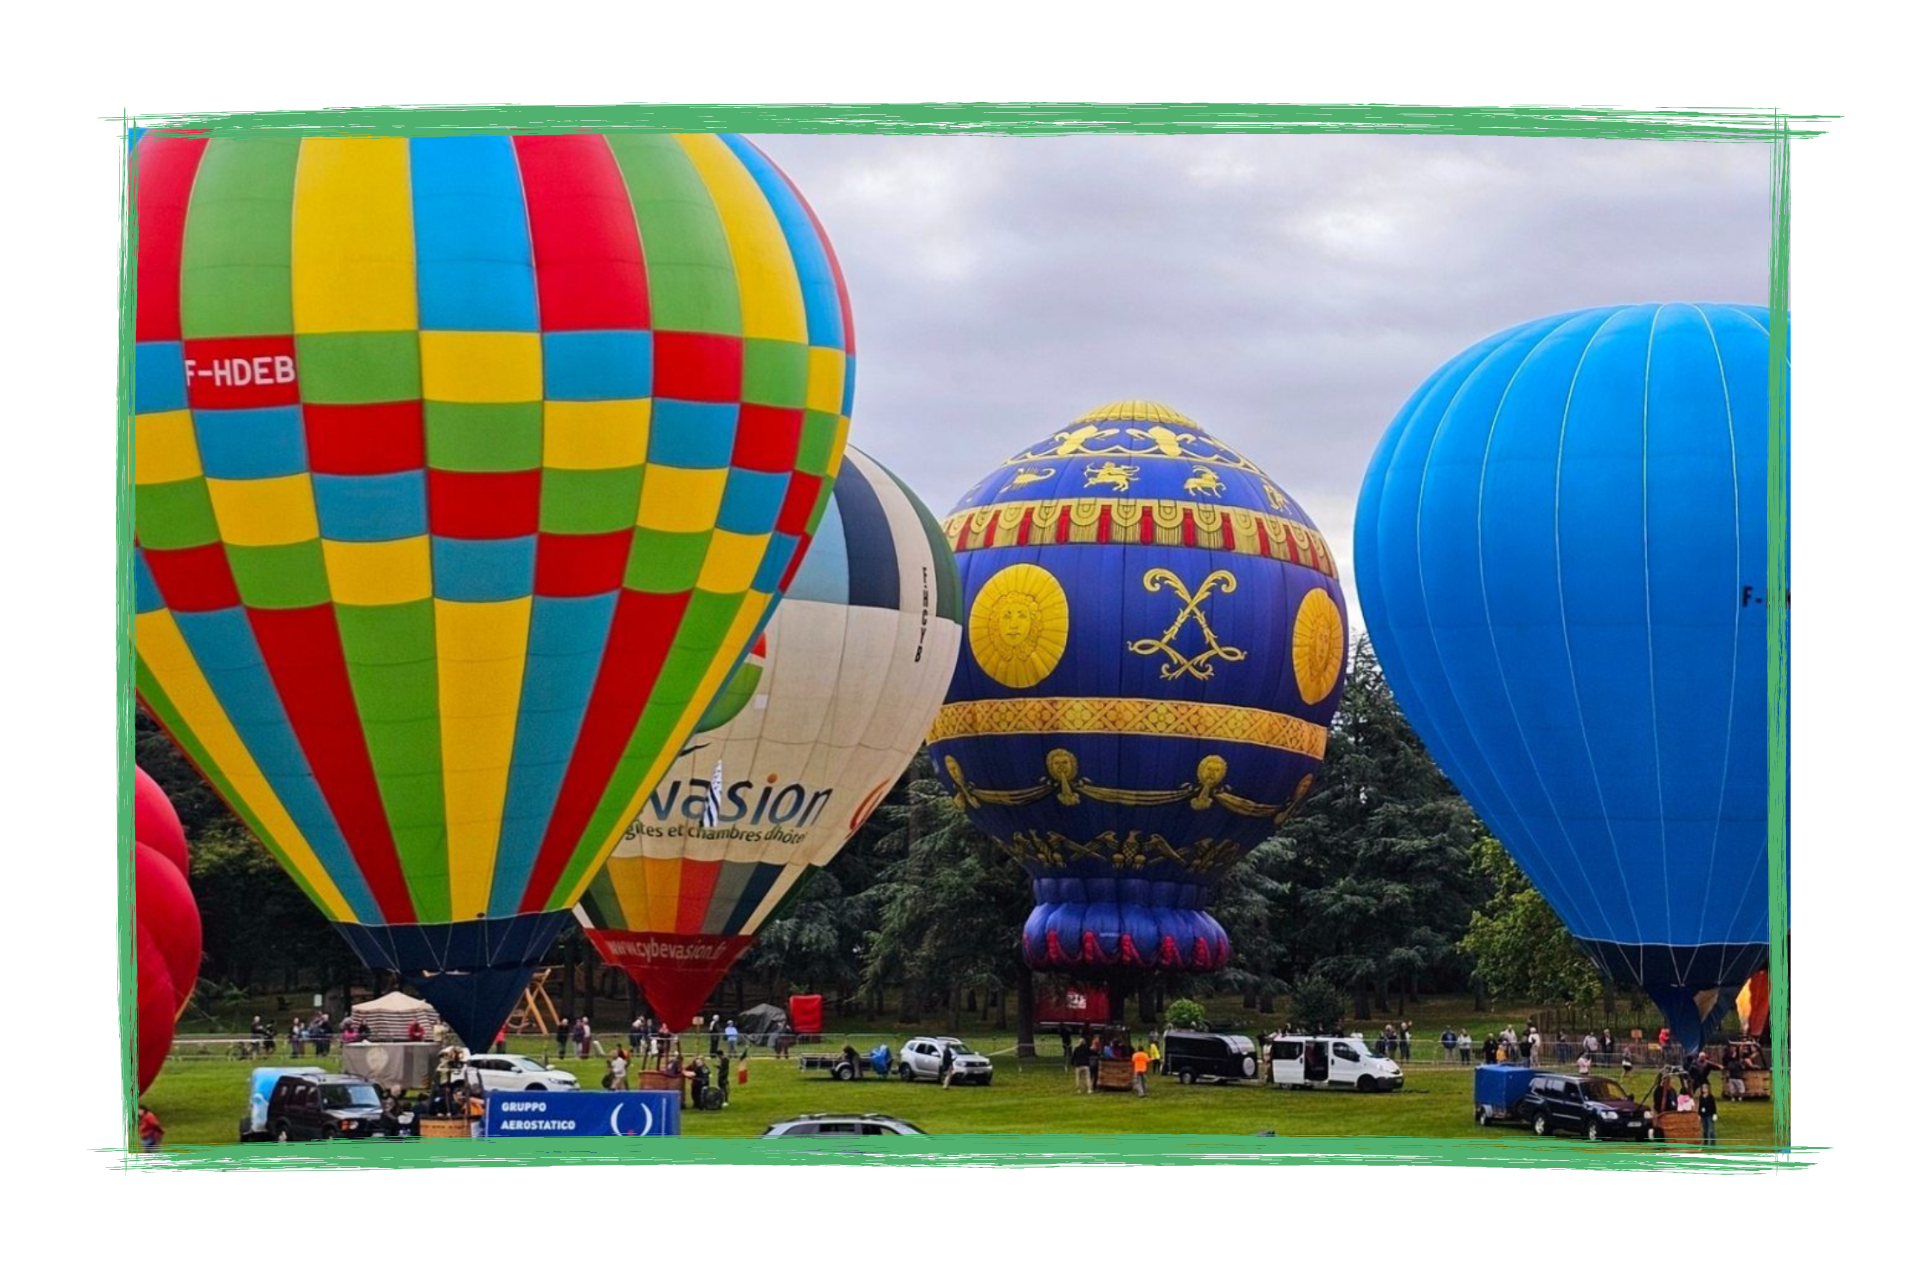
1156	643
855	662
465	468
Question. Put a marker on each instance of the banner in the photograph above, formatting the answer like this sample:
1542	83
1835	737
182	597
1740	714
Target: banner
582	1114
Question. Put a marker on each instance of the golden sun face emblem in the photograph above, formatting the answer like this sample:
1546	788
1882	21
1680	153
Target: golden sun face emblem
1319	646
1018	626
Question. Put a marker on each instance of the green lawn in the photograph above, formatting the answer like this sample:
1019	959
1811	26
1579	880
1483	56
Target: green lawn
200	1101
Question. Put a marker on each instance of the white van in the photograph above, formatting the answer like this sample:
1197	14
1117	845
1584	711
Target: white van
1305	1062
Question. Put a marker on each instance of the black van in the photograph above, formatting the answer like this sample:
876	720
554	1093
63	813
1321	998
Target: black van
334	1106
1208	1057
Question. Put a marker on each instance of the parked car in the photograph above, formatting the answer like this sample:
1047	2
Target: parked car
920	1061
518	1073
328	1107
1208	1057
260	1083
1306	1062
1598	1107
843	1124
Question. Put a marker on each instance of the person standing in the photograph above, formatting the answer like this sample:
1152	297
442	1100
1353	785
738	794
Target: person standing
617	1070
561	1029
1082	1060
636	1031
733	1038
1533	1048
1561	1049
713	1036
294	1036
946	1065
582	1036
1709	1111
1140	1062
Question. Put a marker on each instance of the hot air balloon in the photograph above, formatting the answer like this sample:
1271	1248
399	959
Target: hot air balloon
1155	646
798	751
1562	549
166	926
464	470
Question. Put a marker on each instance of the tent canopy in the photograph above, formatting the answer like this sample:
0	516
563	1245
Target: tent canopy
762	1019
389	1017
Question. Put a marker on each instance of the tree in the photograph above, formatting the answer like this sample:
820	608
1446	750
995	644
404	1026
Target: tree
1520	947
1376	865
1317	1006
947	909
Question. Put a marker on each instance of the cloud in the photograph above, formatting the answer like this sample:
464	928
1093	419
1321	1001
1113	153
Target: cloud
1288	293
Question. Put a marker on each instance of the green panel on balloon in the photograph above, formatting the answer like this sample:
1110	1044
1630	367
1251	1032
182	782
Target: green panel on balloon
732	699
289	576
690	274
666	563
175	514
589	501
483	438
774	373
237	256
359	369
395	679
818	428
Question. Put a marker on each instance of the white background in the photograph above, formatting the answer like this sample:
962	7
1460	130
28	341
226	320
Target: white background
1853	495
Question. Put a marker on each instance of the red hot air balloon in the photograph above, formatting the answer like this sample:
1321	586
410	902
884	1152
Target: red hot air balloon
166	924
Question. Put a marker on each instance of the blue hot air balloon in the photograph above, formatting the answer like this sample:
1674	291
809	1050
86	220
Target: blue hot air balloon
1561	548
1155	643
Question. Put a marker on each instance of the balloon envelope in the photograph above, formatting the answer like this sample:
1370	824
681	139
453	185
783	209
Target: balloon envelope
805	742
155	821
464	469
1562	554
1155	645
166	924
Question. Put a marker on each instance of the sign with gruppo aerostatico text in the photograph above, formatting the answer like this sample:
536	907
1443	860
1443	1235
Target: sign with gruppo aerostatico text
582	1114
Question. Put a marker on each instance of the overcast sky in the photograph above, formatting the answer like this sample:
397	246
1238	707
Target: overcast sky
1287	293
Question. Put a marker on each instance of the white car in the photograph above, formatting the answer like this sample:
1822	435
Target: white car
518	1073
920	1061
843	1124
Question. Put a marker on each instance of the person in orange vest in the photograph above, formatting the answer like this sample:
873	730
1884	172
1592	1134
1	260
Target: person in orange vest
1140	1061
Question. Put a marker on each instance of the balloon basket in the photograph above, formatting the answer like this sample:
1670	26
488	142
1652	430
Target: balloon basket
445	1128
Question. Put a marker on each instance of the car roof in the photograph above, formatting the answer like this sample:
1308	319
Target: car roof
841	1117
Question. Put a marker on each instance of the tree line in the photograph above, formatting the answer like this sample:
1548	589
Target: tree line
1381	887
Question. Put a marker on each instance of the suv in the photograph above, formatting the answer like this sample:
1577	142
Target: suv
843	1124
327	1107
1208	1057
920	1060
517	1073
1598	1107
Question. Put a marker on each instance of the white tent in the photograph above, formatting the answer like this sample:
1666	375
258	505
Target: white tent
389	1017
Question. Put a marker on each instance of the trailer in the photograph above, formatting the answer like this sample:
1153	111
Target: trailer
846	1068
1496	1089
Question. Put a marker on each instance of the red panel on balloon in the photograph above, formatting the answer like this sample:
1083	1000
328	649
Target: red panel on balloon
696	367
366	440
483	505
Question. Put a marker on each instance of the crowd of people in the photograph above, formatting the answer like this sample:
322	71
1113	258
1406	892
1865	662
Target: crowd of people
1084	1057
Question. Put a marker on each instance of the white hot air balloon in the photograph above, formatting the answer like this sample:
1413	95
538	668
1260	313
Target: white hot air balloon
803	743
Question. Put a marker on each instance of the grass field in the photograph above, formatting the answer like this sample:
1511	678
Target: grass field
200	1101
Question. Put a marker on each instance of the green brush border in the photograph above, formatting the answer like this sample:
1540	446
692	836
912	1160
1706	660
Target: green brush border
1757	125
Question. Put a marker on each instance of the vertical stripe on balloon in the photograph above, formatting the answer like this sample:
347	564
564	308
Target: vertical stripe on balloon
165	179
770	298
587	255
483	655
778	891
637	647
301	648
698	878
659	900
565	641
221	688
353	259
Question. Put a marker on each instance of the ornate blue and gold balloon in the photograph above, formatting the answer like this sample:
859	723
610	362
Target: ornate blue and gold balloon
1155	645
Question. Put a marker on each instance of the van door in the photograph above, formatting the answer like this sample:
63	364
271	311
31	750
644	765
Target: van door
1316	1062
1345	1069
1288	1063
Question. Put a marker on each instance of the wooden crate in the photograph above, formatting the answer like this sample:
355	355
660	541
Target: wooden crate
445	1128
1114	1075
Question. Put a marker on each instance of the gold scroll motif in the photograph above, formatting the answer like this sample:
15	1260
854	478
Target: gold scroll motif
1036	523
1177	664
1134	850
1026	476
1066	785
1161	718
